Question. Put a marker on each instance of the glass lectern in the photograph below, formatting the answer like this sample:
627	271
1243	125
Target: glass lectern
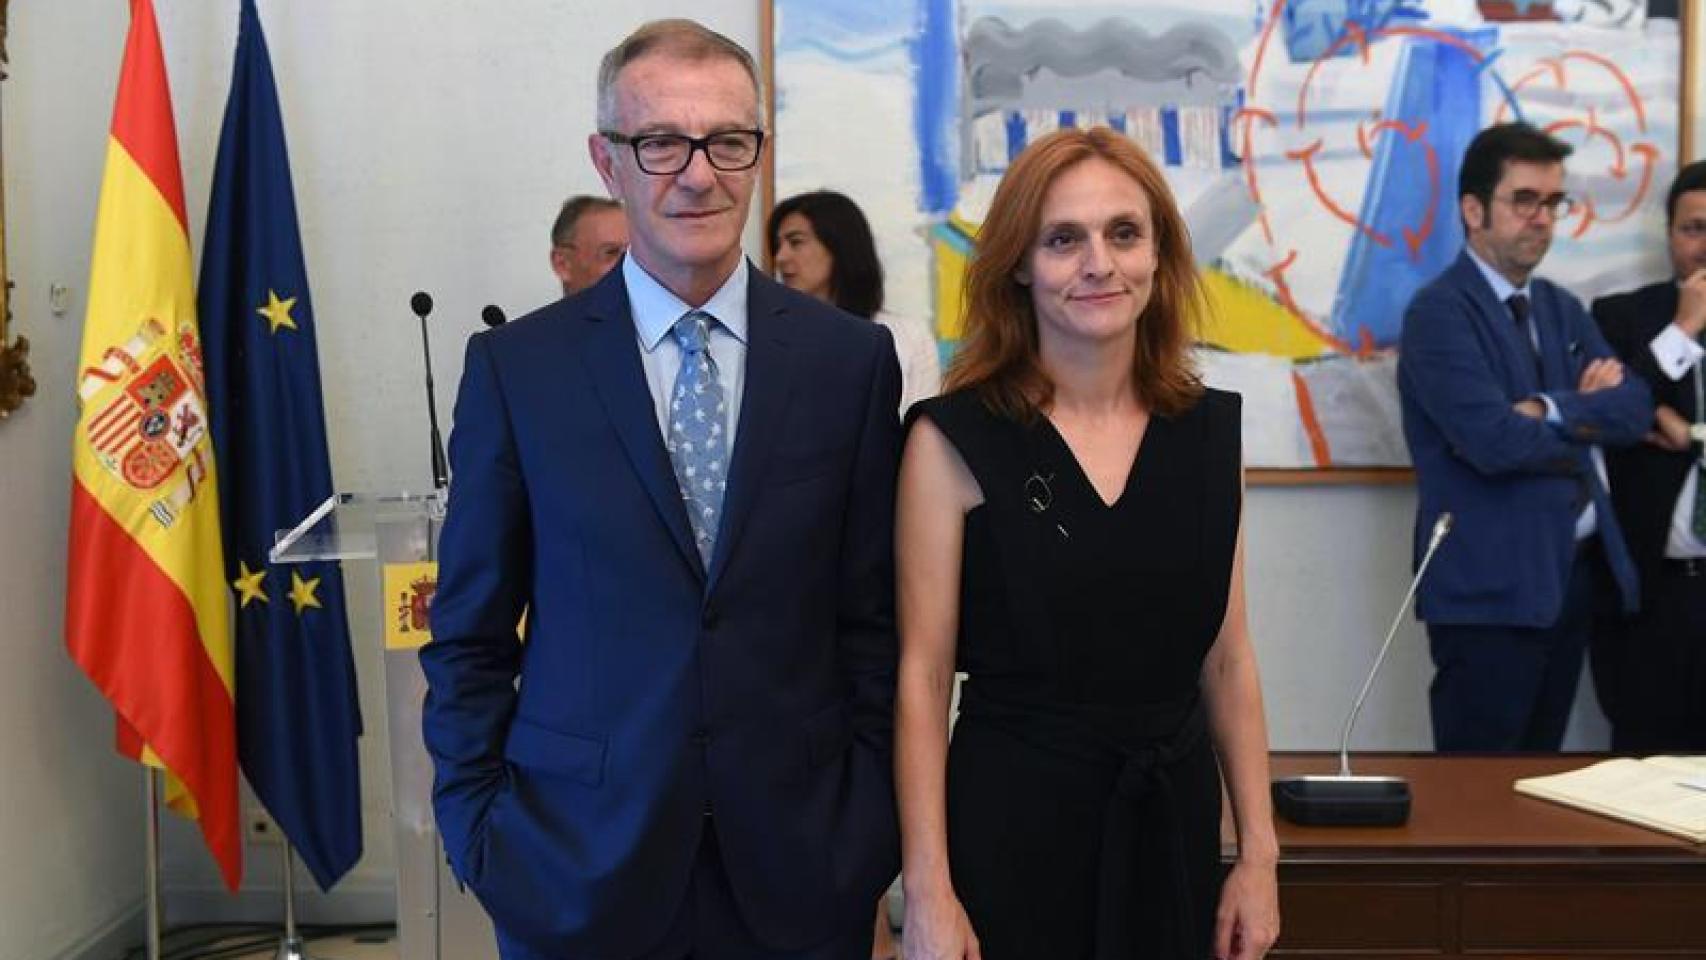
435	919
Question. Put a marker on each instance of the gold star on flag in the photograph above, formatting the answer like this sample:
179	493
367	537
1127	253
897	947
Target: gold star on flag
277	312
248	584
302	592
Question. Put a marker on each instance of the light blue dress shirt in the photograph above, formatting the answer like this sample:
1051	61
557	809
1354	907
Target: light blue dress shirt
655	311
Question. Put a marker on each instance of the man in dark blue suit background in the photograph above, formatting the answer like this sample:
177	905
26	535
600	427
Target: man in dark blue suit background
1508	390
1650	671
685	476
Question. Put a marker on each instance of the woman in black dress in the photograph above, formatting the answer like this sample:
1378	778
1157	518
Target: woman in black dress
1068	535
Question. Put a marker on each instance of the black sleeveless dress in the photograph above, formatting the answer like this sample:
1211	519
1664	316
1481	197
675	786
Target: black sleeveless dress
1083	795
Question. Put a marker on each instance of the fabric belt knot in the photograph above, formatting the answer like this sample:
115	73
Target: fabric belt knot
1143	850
697	437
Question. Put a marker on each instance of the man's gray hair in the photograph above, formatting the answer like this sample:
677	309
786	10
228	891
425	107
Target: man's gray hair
680	38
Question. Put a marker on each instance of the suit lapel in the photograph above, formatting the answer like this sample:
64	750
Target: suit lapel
612	361
769	381
1513	343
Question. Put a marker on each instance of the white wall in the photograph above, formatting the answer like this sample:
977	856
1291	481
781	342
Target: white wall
70	811
431	142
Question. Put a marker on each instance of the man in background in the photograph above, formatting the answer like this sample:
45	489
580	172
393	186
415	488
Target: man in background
1650	670
587	239
1508	391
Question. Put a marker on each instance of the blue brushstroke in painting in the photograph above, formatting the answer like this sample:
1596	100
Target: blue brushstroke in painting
1311	27
935	57
1438	85
841	27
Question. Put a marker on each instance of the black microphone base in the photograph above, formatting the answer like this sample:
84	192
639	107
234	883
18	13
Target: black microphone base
1343	801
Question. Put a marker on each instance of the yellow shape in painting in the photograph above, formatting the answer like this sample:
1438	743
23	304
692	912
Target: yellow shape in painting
951	242
248	584
1244	319
277	312
302	592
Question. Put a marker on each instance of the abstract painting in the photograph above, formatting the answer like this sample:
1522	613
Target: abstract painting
1313	145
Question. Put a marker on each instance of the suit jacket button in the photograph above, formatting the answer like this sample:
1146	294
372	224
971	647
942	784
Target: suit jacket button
709	619
700	737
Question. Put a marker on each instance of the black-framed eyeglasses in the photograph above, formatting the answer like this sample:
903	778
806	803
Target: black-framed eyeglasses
663	154
1527	203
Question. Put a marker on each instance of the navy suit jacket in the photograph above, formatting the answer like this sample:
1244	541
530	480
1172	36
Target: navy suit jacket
1513	483
1645	479
575	771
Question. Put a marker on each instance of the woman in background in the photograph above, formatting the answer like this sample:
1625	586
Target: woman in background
1068	534
821	244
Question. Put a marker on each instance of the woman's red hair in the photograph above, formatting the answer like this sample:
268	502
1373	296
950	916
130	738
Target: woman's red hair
999	357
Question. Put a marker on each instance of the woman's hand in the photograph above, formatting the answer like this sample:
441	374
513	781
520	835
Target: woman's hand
1248	920
937	928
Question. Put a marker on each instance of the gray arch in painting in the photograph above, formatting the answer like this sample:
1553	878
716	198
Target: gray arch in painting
1113	63
1000	59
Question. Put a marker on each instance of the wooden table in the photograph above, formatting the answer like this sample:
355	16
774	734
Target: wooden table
1482	871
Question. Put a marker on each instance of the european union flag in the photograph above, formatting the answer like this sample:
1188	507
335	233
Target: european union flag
297	716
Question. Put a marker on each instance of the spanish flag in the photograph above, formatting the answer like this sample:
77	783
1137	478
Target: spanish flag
146	602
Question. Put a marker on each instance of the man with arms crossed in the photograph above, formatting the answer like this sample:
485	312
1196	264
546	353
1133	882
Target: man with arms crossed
1507	391
690	754
1651	670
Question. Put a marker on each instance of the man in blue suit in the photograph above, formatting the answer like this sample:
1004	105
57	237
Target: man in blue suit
1508	391
685	477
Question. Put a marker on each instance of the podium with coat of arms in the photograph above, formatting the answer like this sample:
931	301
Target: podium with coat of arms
435	919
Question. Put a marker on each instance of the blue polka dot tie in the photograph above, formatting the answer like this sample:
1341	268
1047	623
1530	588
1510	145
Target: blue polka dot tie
698	436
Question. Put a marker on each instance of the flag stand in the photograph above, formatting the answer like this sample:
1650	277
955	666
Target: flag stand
151	870
290	945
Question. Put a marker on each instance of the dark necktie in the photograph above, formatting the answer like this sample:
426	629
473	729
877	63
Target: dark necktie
1699	467
1699	518
1589	477
1518	304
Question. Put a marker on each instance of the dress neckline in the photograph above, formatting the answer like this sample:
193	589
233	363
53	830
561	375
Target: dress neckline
1059	440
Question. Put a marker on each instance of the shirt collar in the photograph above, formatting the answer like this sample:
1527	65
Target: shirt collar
656	309
1502	288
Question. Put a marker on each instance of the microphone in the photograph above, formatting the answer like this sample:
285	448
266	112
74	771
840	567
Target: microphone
421	304
1345	799
492	316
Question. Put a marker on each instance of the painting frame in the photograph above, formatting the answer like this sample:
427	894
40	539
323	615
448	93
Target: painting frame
17	383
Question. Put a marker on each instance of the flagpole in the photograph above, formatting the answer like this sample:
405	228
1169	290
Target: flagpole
290	947
151	870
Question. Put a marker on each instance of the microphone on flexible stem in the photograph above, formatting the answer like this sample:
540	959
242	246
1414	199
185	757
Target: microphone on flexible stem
1344	799
492	316
421	304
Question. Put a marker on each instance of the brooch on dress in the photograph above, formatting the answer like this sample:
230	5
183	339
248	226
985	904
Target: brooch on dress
1039	496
